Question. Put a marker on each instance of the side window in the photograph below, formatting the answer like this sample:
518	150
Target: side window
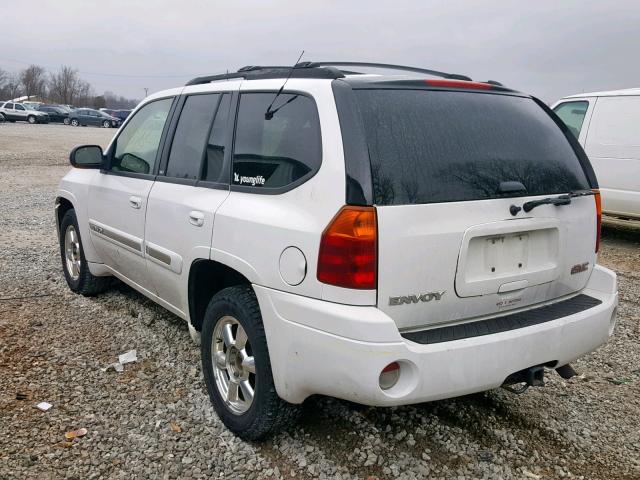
188	146
214	161
8	106
572	114
19	107
275	150
137	145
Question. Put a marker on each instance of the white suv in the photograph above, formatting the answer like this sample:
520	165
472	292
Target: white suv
382	239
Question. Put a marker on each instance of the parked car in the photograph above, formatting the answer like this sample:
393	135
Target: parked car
607	125
121	114
89	116
317	241
108	111
16	112
56	114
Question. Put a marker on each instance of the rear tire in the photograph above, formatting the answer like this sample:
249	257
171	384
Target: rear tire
2	119
74	265
31	119
249	405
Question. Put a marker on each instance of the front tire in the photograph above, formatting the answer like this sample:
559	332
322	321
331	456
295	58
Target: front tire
74	265
237	368
66	121
75	123
106	124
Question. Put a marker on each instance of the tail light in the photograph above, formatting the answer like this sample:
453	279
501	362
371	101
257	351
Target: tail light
348	249
596	195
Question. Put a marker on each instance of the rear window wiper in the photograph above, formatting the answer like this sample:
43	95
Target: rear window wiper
557	201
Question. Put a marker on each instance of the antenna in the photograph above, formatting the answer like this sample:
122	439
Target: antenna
268	115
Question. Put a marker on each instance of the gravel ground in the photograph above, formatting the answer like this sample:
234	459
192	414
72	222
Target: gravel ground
155	420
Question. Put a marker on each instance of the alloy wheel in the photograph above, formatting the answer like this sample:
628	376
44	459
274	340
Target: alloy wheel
72	252
233	365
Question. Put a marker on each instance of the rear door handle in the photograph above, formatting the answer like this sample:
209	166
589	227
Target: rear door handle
196	218
135	202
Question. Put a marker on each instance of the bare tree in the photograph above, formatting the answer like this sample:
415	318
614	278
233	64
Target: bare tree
33	79
84	94
63	86
12	86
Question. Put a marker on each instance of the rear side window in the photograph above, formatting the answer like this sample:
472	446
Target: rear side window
442	146
187	149
572	114
278	150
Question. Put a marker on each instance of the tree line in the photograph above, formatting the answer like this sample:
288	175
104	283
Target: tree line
63	87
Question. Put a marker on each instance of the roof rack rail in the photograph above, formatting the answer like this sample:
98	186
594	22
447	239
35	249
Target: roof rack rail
436	73
256	72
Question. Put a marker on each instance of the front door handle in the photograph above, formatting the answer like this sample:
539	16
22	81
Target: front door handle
135	202
196	218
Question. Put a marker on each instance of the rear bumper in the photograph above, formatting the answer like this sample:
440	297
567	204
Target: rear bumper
318	347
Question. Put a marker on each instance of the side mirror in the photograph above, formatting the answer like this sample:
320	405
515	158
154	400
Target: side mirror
86	156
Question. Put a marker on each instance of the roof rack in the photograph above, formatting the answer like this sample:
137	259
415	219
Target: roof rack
315	70
255	72
436	73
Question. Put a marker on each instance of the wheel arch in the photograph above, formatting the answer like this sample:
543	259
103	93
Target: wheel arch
62	206
206	278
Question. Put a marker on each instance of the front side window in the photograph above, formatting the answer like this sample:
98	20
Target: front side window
137	145
572	114
278	148
189	141
8	106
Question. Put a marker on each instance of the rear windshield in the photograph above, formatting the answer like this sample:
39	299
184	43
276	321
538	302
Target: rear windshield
442	146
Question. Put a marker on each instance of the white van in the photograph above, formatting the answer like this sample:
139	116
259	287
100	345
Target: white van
607	125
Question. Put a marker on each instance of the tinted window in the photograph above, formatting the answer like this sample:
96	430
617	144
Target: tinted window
8	105
572	114
19	107
428	146
213	166
275	152
187	149
137	145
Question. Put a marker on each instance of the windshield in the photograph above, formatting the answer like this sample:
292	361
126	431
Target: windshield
430	146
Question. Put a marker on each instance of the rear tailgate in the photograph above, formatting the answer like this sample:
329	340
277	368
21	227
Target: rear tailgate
444	167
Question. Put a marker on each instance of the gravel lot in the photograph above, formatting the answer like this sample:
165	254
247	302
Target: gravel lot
155	420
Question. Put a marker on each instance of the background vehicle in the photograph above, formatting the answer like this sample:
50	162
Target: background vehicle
607	125
16	112
89	116
56	114
121	114
302	222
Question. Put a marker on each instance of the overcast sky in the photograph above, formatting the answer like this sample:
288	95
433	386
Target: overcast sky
548	48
